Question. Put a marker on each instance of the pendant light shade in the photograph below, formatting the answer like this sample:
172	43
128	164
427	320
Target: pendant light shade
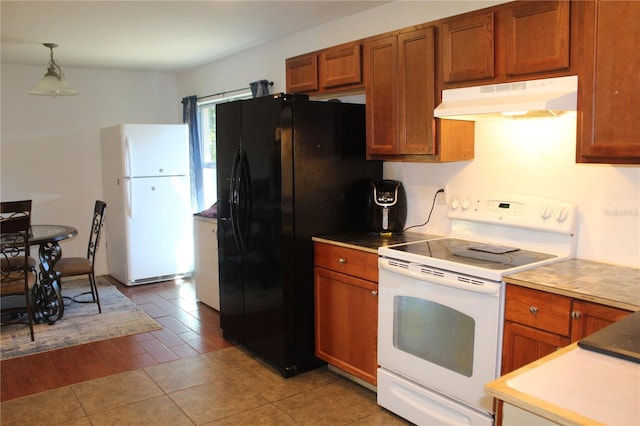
53	82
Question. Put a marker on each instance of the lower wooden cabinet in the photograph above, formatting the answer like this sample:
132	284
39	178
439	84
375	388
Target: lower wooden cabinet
538	323
346	310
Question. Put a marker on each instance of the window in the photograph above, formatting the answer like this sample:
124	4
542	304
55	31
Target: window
207	124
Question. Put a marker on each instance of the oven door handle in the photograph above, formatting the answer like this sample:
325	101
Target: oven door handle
475	288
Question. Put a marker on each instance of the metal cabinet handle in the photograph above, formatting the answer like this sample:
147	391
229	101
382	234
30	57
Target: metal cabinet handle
342	260
374	293
533	310
576	314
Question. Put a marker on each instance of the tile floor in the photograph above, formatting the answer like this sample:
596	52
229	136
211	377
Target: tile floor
205	381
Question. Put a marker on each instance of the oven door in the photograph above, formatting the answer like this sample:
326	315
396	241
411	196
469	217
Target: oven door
439	329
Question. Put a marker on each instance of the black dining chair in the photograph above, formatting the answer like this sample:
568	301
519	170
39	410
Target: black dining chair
17	282
10	209
74	266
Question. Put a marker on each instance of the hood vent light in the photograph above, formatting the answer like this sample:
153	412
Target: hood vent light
549	97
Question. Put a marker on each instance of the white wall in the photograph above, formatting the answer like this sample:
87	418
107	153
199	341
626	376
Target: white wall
50	147
535	157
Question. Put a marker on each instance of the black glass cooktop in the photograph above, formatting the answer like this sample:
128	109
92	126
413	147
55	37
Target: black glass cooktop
473	253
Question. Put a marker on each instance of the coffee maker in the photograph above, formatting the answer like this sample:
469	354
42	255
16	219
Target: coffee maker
386	206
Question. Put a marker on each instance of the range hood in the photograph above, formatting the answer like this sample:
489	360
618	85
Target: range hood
548	97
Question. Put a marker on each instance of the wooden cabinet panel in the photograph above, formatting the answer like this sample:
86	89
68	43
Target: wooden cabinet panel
523	345
345	260
467	51
544	311
341	65
329	70
609	83
416	92
302	73
346	323
380	75
537	37
399	74
587	318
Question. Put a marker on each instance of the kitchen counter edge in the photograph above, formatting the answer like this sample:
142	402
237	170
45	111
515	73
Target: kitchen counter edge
369	242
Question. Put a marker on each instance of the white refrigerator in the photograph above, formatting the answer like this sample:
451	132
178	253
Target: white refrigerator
146	181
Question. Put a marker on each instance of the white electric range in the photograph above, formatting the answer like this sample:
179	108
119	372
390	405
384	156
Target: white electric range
441	303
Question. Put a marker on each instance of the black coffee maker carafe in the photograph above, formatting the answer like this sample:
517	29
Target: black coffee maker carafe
386	206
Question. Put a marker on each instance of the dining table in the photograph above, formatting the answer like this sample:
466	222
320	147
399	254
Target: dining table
47	294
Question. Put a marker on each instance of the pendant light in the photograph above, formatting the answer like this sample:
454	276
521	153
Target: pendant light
53	82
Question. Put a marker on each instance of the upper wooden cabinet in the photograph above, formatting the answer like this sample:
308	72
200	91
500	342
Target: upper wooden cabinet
399	75
340	66
334	69
506	43
536	37
302	73
609	83
467	52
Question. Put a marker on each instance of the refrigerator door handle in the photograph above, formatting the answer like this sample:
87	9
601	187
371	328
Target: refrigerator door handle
245	201
127	157
127	176
129	195
234	198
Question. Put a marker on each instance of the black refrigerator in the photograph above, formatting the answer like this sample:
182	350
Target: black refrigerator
288	169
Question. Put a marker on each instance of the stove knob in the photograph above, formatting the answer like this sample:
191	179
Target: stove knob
465	204
455	203
546	212
563	214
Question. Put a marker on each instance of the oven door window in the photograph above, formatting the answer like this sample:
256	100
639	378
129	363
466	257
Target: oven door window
434	333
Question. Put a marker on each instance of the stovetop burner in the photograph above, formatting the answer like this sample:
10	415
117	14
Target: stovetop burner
473	253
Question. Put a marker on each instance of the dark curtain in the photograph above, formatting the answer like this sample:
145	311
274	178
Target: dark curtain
259	88
190	116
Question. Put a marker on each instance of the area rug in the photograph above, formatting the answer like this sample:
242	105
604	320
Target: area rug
81	322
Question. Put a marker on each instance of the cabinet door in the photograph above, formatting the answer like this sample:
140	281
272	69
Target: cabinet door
609	84
523	345
537	37
340	66
346	310
380	74
416	92
468	51
587	318
302	73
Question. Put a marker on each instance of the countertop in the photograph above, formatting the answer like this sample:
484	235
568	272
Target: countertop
574	386
370	241
611	285
205	218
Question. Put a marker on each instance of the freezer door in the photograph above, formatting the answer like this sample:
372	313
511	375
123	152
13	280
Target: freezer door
155	149
159	228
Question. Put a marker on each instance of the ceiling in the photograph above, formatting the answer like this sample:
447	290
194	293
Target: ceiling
154	35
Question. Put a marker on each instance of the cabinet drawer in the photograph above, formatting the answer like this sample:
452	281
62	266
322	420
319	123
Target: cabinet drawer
544	311
353	262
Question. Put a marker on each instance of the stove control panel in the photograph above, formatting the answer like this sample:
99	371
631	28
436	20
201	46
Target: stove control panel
515	210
